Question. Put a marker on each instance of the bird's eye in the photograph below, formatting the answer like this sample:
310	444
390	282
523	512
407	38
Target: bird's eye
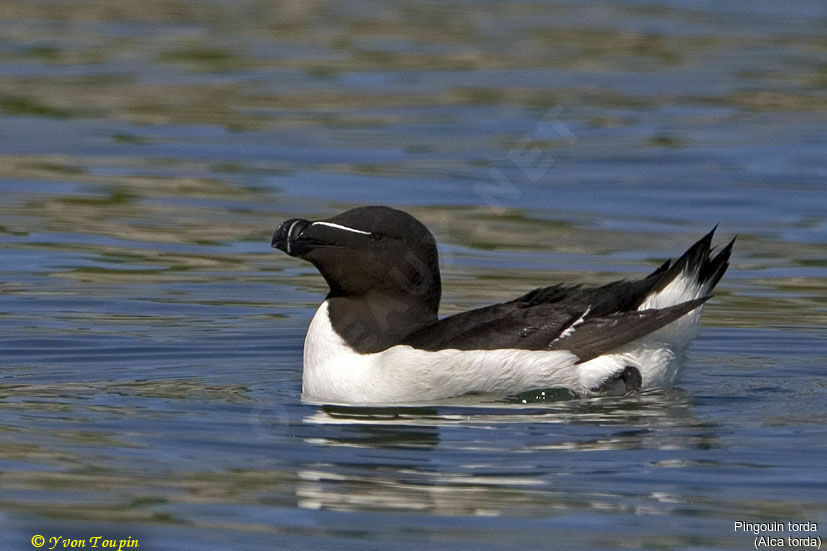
376	236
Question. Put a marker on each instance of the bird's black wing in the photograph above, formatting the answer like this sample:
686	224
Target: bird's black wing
587	321
563	325
599	335
507	325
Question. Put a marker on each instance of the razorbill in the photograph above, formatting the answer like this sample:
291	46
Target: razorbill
376	338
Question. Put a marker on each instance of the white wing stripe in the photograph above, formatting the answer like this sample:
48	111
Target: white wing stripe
570	329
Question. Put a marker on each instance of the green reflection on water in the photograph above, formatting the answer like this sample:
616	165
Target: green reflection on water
28	106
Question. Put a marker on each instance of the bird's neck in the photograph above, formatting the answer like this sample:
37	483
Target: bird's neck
376	322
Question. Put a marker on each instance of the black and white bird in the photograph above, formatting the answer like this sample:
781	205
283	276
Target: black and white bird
377	339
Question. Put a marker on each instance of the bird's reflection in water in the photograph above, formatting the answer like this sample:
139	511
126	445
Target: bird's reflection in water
496	457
